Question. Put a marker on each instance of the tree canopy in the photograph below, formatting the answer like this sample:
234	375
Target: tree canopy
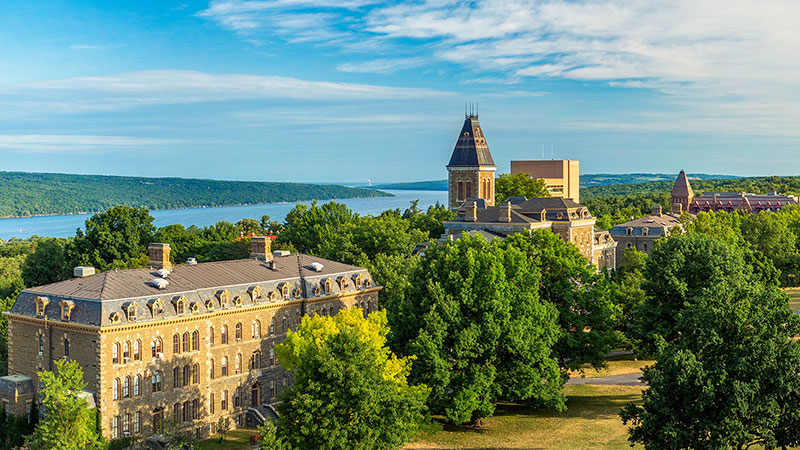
519	185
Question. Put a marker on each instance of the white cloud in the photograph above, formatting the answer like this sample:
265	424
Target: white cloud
60	143
383	65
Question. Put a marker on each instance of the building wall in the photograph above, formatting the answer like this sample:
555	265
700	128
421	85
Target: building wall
604	256
642	243
93	350
561	176
480	185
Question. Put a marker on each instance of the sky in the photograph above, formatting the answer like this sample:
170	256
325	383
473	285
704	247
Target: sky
355	90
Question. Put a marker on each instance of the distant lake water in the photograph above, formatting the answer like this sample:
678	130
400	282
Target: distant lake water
65	226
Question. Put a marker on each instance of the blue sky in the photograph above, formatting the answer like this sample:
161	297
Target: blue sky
350	90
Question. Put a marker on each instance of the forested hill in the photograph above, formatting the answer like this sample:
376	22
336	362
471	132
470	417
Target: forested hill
28	194
755	185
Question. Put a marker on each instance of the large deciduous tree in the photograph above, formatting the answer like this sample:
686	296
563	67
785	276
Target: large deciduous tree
349	391
116	238
519	185
727	365
473	317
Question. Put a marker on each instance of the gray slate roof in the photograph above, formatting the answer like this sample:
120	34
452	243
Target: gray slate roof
471	148
656	226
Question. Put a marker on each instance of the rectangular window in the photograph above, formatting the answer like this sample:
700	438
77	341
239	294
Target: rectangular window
126	424
460	191
468	188
137	418
115	427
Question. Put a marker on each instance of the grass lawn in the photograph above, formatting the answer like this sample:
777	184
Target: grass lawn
234	440
794	297
617	365
591	422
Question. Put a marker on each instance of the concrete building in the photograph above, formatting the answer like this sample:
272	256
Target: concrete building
470	172
643	232
562	177
683	199
192	345
568	219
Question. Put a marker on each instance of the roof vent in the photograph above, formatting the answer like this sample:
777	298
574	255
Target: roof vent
83	271
163	273
191	262
279	253
316	266
160	283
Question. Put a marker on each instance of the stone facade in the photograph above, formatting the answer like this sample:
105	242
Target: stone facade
192	352
643	233
684	199
471	170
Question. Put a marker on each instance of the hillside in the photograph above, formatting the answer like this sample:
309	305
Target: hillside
30	194
755	185
587	180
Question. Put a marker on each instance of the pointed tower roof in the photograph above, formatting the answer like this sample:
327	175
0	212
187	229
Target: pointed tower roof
682	187
471	149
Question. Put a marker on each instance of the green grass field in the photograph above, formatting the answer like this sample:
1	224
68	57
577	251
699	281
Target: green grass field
617	365
794	297
235	440
591	422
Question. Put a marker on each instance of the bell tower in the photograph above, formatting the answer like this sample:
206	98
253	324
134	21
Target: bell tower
470	172
682	194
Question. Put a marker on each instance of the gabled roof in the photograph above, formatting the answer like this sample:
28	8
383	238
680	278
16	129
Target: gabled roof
682	187
471	149
538	204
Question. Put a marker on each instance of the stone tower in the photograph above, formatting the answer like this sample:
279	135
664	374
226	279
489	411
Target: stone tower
682	194
471	168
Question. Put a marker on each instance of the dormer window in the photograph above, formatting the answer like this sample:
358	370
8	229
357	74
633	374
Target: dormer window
210	305
255	293
156	307
358	279
66	309
132	309
194	308
224	297
285	289
273	296
180	305
629	231
326	286
115	318
317	291
645	230
367	283
342	284
41	305
238	301
297	292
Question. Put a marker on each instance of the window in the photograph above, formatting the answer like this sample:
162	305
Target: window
126	421
41	344
237	397
126	387
186	341
272	388
157	347
224	366
115	427
176	413
255	329
255	360
211	403
187	375
115	389
158	419
644	246
41	304
66	309
285	289
272	327
126	350
156	307
195	405
223	404
195	373
176	377
238	363
283	327
223	335
136	382
157	379
238	332
66	348
132	312
326	286
211	374
180	306
272	355
137	355
187	411
137	420
115	353
211	336
176	343
195	340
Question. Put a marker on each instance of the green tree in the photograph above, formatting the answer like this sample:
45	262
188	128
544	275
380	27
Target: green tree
269	439
727	363
248	225
270	226
223	427
48	263
68	424
431	221
350	391
587	312
116	238
183	242
473	317
308	227
519	185
627	281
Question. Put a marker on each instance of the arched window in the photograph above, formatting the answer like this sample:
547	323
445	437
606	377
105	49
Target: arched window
238	331
223	404
224	366
126	350
195	340
115	353
186	341
283	327
256	329
211	372
237	397
272	355
256	360
272	327
176	343
211	336
195	405
223	335
176	413
272	388
126	387
644	246
115	389
176	377
41	344
157	347
187	375
211	403
137	350
238	362
66	348
158	419
180	306
195	373
136	385
157	381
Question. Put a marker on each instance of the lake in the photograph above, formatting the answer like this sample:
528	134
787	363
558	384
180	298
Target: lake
65	226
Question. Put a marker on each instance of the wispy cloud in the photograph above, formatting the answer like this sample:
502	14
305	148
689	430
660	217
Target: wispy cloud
384	65
87	47
62	143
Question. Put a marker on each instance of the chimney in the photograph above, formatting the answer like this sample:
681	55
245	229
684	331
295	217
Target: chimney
656	210
472	212
159	256
505	212
261	248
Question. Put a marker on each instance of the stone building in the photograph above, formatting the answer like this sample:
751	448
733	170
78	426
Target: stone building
683	199
568	219
562	177
191	345
643	232
470	172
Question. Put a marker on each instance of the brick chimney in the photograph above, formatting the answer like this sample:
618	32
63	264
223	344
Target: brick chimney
261	248
471	212
656	210
159	256
505	212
